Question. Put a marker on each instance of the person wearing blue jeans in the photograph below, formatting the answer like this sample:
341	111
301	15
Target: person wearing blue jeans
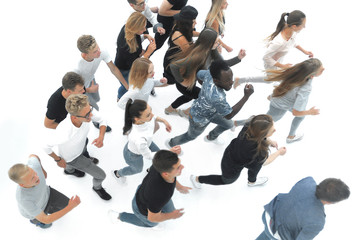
152	202
211	104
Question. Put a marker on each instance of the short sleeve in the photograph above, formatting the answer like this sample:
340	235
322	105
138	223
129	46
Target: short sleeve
105	56
222	107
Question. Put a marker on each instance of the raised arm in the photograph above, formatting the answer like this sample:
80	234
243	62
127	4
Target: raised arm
248	90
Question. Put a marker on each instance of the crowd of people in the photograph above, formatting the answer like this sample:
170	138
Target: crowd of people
193	63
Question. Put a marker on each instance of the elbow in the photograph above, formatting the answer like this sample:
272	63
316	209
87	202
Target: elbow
296	113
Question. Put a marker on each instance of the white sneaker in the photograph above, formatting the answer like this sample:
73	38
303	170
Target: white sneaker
114	216
120	178
260	181
218	140
296	138
195	183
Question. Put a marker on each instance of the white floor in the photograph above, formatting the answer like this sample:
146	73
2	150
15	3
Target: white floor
38	46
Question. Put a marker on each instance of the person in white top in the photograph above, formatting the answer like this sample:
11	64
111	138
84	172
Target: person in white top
142	7
279	44
140	125
141	81
70	138
91	57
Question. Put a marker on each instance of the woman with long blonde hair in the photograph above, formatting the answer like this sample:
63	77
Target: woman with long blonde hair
141	81
215	19
249	150
293	92
129	46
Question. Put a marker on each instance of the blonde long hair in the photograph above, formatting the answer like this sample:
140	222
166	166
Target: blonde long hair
215	14
139	72
134	24
294	76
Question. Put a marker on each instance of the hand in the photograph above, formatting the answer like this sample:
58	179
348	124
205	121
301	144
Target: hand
98	142
228	48
282	151
150	38
248	90
288	65
274	144
168	126
242	53
161	30
163	80
313	111
93	87
74	202
177	213
309	53
184	190
61	163
151	47
176	149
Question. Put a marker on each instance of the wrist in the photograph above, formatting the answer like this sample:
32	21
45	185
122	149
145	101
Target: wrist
58	159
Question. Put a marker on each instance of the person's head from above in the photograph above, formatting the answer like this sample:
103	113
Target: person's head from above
295	76
218	5
88	47
136	112
167	164
135	25
261	127
73	83
222	74
295	21
138	5
23	175
141	69
77	105
186	16
332	190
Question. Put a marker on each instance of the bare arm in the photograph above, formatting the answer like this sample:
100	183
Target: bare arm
165	9
248	90
117	74
47	219
281	151
50	123
161	217
312	111
309	53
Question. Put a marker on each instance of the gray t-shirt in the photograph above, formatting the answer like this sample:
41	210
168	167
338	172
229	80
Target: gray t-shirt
297	98
32	201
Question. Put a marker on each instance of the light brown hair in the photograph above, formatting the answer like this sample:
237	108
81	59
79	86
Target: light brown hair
134	24
86	43
139	72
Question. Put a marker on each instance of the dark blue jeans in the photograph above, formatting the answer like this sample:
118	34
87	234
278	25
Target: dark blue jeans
122	90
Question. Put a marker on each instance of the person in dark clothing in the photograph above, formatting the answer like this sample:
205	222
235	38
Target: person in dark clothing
129	46
249	150
152	203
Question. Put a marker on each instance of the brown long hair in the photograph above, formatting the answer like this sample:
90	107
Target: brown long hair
294	76
257	131
294	18
195	55
139	72
134	24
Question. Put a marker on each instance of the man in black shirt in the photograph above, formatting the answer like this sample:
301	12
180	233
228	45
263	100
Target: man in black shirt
152	203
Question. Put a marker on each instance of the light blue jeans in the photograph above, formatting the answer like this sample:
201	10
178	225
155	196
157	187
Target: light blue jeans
122	90
196	129
277	114
138	218
134	161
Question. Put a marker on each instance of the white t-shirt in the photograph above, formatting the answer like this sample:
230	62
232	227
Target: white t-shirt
33	201
139	93
277	49
87	69
140	139
70	139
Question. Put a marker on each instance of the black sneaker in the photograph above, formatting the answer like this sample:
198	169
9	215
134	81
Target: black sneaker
76	173
153	93
97	125
102	193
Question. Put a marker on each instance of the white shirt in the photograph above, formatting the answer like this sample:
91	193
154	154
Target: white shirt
139	93
87	69
70	139
277	49
140	139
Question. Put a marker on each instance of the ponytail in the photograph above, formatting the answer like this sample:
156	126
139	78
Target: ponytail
133	109
294	18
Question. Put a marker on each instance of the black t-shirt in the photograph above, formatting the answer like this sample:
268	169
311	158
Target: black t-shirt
240	153
56	106
124	58
168	21
154	192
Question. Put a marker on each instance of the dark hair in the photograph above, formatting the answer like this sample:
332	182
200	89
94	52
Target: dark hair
164	160
71	80
217	66
132	110
294	18
332	190
132	1
184	27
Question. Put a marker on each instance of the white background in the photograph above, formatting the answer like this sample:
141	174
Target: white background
38	46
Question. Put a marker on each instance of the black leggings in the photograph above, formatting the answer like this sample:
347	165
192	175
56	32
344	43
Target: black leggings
187	96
